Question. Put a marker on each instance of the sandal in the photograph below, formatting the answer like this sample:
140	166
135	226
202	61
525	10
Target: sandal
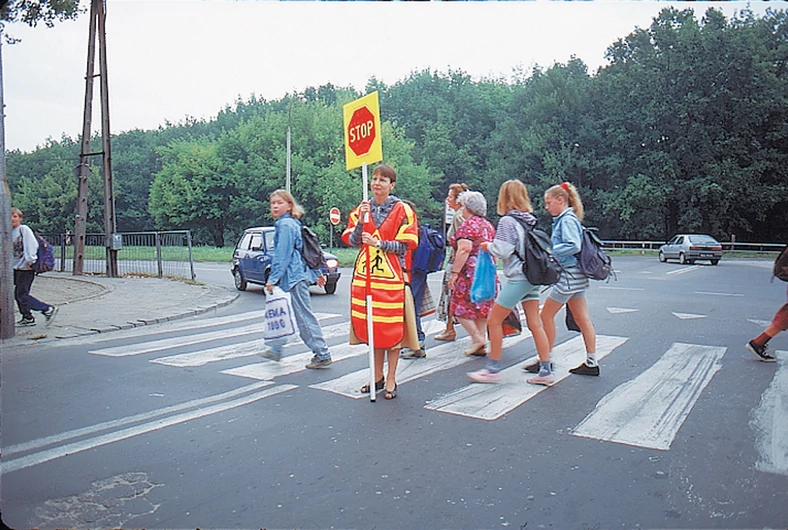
447	335
478	350
378	386
391	394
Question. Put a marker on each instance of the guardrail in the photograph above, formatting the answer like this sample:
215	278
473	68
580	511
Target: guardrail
727	246
162	254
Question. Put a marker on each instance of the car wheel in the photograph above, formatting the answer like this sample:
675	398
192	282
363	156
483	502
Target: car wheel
682	259
662	257
240	282
331	288
715	261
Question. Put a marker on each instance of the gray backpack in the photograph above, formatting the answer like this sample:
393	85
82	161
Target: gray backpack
594	262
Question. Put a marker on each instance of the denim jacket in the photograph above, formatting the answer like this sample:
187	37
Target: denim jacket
567	237
287	265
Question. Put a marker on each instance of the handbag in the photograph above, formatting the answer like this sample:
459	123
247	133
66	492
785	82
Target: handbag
511	324
484	275
279	319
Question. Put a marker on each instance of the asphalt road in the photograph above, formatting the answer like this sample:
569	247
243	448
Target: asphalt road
182	426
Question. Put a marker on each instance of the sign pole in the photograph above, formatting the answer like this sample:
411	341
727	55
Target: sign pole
370	338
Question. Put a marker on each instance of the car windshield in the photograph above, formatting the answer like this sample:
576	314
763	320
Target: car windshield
703	240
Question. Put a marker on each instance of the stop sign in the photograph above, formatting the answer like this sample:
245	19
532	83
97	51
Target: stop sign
333	216
361	131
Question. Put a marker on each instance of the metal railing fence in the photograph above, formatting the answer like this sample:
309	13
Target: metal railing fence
161	254
727	246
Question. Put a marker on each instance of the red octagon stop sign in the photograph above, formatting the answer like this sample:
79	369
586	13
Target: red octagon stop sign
361	131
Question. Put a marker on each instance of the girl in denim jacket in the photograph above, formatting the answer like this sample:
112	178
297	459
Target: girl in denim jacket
564	204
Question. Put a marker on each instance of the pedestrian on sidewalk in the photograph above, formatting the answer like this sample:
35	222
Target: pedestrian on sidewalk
25	254
514	205
758	345
290	272
563	202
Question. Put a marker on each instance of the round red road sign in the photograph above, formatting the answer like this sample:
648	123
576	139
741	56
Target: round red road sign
361	131
333	216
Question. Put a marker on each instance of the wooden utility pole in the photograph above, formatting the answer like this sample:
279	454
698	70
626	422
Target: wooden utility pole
97	27
7	280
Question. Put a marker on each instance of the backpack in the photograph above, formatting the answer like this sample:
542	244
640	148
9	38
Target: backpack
593	262
311	250
431	251
46	256
781	266
539	264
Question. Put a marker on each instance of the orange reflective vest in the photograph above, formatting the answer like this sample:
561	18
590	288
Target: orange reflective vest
385	280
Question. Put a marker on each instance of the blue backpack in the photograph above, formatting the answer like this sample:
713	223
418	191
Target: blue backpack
46	256
431	252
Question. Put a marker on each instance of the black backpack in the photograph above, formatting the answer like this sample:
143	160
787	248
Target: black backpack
539	264
781	266
594	262
431	252
311	250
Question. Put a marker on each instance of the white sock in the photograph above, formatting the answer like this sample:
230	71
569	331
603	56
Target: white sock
591	359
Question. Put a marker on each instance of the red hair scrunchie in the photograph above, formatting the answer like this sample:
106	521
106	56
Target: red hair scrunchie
565	186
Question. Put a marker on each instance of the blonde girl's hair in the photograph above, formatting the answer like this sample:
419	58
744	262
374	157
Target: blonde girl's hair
568	191
18	212
297	210
513	195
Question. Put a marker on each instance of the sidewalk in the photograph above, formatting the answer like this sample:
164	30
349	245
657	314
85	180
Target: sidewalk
96	304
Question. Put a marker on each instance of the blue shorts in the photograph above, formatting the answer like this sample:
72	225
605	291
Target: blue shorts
516	291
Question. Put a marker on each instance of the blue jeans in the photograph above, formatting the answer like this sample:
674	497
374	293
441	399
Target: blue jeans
418	284
23	281
308	326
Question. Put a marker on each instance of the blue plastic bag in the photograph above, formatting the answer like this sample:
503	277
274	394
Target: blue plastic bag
483	286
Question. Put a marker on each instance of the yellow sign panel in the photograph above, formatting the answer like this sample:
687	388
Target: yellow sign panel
363	144
379	265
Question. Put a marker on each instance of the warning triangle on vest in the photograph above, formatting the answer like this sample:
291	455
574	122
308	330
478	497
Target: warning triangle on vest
379	265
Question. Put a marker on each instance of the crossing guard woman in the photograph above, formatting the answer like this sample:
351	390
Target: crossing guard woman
391	229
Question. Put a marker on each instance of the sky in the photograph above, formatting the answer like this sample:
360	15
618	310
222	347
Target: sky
173	59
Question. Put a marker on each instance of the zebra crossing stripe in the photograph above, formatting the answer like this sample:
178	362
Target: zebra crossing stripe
441	357
238	350
648	410
186	340
491	401
291	364
768	421
7	466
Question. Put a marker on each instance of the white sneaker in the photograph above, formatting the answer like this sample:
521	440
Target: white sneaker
484	376
546	380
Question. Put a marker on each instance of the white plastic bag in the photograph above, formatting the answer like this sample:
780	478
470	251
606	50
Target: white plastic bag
280	324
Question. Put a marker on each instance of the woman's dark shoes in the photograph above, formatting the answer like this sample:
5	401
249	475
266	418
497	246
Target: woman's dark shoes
378	386
391	394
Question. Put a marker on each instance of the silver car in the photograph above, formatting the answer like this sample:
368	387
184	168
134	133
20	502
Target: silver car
687	248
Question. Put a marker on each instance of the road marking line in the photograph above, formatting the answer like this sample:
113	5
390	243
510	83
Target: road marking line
768	420
761	323
621	288
114	424
177	342
683	271
718	294
238	350
619	310
688	316
648	411
7	466
491	401
291	364
441	357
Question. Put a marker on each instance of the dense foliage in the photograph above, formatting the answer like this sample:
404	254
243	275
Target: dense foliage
685	129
